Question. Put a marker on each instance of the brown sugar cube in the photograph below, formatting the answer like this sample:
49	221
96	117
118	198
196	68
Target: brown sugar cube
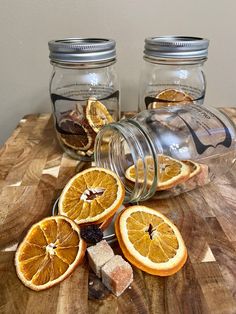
98	255
117	275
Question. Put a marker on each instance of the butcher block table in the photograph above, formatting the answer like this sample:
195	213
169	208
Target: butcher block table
34	170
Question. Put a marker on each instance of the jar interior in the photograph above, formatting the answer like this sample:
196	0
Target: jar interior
118	153
126	156
163	153
77	120
165	85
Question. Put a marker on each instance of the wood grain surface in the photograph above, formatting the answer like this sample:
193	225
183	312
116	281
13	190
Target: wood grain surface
33	170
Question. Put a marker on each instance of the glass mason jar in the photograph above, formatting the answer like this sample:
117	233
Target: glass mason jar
172	73
164	152
84	90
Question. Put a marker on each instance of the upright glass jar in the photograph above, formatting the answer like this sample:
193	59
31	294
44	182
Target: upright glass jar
84	90
164	152
172	73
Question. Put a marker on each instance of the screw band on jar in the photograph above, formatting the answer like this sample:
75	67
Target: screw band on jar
82	50
176	47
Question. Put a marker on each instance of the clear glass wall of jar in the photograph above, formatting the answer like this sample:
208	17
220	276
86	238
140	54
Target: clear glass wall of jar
172	72
164	152
84	90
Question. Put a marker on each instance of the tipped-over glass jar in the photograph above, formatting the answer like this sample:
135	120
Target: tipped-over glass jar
84	90
164	152
172	73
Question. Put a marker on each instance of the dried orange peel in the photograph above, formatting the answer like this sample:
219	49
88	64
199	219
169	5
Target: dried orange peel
49	253
150	241
91	196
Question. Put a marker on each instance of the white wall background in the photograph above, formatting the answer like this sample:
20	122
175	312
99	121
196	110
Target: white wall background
27	25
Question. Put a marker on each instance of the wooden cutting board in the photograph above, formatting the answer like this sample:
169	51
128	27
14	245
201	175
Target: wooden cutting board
33	171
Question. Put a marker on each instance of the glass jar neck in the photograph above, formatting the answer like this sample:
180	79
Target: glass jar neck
177	62
124	144
85	65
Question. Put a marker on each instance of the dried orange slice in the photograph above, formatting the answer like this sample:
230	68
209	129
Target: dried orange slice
194	167
150	241
170	172
49	253
91	196
97	114
77	136
171	97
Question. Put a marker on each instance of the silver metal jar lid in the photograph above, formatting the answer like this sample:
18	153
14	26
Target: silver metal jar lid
176	47
82	50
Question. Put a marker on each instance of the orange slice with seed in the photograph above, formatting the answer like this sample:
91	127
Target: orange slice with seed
171	97
92	196
97	114
170	172
49	253
150	241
